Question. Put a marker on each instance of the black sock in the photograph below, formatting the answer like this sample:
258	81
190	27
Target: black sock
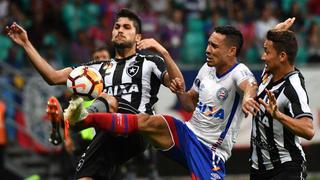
99	105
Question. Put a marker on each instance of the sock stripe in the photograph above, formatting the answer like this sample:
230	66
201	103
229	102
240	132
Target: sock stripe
113	122
126	123
113	119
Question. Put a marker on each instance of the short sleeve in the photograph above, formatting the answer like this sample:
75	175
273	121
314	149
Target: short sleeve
298	98
242	73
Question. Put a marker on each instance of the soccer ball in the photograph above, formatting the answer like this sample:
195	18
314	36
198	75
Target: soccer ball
86	82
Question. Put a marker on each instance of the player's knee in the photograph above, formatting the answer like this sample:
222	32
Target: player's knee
148	123
112	102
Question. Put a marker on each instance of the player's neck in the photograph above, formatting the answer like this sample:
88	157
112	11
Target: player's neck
282	72
226	67
124	53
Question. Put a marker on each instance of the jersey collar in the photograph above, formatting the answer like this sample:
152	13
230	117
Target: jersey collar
125	59
229	70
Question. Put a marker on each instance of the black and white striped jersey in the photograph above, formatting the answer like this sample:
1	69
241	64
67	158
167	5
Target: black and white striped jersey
272	143
136	79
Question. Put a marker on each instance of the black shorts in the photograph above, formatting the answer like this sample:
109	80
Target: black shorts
289	171
106	151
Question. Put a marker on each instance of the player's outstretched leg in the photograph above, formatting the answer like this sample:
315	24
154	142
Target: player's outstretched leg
54	114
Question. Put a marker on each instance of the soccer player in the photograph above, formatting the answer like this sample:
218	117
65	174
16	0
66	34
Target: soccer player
284	114
131	81
222	93
100	54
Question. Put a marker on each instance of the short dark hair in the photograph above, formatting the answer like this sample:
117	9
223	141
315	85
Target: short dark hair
107	48
100	48
233	36
284	41
132	16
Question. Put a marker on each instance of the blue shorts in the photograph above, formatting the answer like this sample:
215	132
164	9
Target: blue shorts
191	153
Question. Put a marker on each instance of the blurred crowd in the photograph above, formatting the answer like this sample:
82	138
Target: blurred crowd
65	31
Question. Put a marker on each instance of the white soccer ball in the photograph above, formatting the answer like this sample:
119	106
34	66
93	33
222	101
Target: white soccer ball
86	82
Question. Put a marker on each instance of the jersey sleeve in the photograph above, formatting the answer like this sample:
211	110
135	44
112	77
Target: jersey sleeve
298	101
159	66
243	73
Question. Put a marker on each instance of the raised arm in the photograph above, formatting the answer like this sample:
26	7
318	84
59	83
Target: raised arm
48	73
173	70
285	25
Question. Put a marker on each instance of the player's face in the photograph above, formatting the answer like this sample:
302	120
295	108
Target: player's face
217	50
124	34
270	57
101	55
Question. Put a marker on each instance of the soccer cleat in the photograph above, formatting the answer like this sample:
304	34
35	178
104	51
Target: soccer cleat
54	114
75	111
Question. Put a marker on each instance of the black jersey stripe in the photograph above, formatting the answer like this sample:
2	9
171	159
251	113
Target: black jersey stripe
153	92
137	79
290	143
302	82
293	97
258	147
118	73
103	72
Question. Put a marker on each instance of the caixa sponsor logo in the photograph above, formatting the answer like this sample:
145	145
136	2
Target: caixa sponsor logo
122	89
210	111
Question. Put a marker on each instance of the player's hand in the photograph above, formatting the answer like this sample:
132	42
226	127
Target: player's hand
151	44
250	106
271	106
177	86
16	33
285	25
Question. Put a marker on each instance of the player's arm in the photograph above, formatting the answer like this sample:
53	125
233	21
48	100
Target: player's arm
285	25
172	68
302	126
249	104
49	74
188	100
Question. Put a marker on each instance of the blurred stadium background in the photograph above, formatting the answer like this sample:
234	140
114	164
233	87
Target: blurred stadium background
65	32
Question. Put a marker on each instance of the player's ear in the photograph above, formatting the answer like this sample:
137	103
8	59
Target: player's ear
283	56
138	37
233	51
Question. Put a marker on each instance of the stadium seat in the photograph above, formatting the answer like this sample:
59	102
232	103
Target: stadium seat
193	44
